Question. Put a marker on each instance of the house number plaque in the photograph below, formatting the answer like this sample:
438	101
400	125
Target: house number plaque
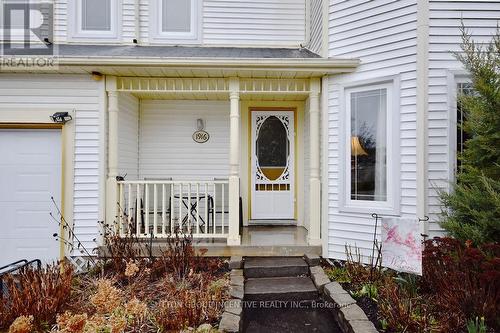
201	136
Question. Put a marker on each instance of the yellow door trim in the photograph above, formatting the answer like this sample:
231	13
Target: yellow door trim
30	126
270	109
66	173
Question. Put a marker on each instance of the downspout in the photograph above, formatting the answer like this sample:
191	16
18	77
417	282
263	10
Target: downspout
422	105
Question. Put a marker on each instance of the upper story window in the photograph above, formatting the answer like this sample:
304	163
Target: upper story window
175	21
96	15
369	149
94	19
176	16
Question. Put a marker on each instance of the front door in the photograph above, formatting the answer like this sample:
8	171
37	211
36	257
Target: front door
272	165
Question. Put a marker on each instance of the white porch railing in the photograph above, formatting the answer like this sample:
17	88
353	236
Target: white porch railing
199	208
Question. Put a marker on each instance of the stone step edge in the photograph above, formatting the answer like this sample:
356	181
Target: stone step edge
350	317
231	320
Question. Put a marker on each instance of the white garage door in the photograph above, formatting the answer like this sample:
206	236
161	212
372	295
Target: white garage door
30	173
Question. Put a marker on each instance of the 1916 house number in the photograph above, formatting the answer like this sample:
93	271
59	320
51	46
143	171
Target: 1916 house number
201	136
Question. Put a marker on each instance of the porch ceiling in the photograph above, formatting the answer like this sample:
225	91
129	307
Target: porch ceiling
214	88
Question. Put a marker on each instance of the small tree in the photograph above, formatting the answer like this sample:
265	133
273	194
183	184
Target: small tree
472	209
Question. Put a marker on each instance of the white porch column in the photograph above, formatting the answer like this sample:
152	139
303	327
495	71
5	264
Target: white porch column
234	163
314	235
111	183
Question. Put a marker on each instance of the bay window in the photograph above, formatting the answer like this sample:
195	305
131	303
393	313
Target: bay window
369	149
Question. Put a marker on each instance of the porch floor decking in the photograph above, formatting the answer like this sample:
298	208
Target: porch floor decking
258	241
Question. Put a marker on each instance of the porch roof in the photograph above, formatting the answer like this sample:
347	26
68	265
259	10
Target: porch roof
125	51
193	62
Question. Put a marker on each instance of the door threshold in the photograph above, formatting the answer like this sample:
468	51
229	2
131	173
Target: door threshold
272	222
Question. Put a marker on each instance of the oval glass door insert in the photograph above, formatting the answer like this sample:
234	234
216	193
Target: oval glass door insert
272	148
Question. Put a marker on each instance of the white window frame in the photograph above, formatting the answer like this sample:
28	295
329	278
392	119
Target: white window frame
391	206
157	35
454	78
76	33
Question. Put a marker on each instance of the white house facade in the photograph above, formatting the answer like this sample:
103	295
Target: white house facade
258	127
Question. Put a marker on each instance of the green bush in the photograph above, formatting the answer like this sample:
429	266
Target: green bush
472	209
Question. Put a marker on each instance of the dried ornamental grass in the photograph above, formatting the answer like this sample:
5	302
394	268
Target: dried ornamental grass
195	301
136	309
107	298
117	324
22	324
70	323
131	269
42	293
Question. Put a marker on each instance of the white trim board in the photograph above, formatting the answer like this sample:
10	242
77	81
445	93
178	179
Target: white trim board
392	205
75	32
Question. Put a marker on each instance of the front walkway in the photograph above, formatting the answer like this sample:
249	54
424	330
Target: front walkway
280	296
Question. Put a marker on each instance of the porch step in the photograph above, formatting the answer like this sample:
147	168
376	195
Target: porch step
272	222
264	267
280	289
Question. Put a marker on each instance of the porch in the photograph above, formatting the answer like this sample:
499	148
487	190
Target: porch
162	180
262	241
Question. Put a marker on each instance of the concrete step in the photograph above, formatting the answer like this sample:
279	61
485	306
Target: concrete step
280	289
261	267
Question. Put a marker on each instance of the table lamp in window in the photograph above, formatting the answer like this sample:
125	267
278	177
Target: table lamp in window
356	148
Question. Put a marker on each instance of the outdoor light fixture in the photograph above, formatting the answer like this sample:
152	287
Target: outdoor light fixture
97	76
61	117
200	124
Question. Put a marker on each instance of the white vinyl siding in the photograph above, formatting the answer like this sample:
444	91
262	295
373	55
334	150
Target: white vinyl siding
167	148
240	22
86	97
481	19
316	26
221	22
128	28
383	35
128	136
